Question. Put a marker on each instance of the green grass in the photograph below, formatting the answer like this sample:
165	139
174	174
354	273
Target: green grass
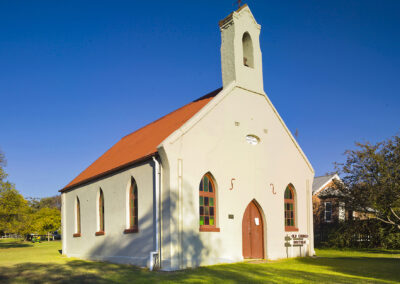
22	262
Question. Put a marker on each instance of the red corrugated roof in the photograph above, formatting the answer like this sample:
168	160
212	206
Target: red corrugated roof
140	144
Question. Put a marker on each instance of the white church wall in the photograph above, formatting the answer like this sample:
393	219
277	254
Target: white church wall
114	245
217	144
169	207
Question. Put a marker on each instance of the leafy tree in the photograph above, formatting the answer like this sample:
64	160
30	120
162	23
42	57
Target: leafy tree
51	202
45	202
3	175
14	212
46	220
371	180
34	203
21	217
4	184
14	209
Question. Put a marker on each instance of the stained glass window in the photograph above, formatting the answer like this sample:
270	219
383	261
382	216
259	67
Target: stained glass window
133	205
78	216
207	202
289	209
101	211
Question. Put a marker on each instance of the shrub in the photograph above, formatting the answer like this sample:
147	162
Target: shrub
358	234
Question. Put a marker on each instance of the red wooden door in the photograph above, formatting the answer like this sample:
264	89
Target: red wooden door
252	232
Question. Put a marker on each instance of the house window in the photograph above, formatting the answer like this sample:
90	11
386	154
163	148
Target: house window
328	212
207	204
342	212
77	218
101	214
133	208
290	209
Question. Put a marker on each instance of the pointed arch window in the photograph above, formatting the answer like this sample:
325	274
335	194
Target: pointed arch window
290	209
248	58
77	218
101	214
208	204
132	208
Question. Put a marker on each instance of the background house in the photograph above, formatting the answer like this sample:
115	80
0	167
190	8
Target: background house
328	209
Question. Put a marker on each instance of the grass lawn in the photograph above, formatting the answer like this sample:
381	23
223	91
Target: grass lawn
22	262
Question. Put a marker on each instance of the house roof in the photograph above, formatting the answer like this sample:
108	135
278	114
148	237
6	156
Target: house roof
321	181
140	144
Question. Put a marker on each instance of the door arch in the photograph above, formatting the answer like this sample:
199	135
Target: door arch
253	232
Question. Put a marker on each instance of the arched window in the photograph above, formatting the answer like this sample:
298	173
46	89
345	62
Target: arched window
101	214
290	209
133	208
248	59
77	218
208	204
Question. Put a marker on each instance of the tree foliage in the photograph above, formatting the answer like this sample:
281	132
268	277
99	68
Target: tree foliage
358	233
371	180
14	212
4	184
22	217
45	202
46	220
13	207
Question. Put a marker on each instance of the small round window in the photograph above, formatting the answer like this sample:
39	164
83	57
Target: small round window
252	139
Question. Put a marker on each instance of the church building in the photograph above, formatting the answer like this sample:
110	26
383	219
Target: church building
218	180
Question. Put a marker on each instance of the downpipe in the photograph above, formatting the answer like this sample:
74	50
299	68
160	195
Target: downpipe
156	253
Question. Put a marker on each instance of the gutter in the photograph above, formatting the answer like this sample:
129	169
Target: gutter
155	262
106	173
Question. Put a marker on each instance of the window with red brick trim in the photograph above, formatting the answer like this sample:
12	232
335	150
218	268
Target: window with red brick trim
208	204
133	208
77	218
101	214
290	209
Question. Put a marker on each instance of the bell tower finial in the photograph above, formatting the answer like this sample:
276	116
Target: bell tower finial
241	59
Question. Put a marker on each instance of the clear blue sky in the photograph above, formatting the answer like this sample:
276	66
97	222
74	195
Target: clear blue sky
76	76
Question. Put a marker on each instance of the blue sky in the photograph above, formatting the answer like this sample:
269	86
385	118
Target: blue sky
76	76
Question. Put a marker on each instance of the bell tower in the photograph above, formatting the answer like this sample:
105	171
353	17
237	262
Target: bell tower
241	59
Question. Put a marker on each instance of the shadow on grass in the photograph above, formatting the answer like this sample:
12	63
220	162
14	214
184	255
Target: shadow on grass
378	268
363	250
378	251
264	273
79	271
14	244
71	272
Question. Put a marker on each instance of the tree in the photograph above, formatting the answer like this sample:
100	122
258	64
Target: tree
4	185
21	217
3	175
46	220
45	202
14	208
51	202
371	180
14	212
